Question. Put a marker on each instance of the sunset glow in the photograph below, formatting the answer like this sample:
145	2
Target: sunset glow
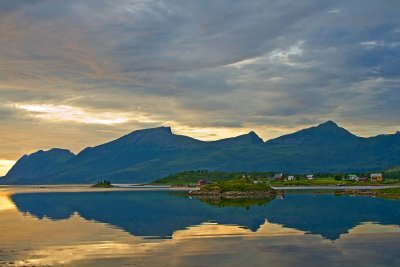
69	113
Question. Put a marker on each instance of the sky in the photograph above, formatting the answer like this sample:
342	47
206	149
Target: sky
78	73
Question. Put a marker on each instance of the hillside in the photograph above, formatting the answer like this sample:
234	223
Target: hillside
395	169
393	173
34	167
192	177
149	154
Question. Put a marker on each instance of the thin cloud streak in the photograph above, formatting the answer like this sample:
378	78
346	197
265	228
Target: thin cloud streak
69	113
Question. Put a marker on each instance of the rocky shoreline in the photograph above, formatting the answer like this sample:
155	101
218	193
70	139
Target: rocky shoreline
371	193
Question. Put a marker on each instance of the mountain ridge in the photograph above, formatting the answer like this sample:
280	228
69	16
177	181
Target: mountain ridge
148	154
325	132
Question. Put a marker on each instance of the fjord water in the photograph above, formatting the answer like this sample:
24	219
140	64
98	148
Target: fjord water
145	228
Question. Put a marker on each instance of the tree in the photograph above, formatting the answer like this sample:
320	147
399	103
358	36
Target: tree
338	177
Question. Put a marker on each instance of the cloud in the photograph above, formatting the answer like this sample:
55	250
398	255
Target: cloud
70	113
104	68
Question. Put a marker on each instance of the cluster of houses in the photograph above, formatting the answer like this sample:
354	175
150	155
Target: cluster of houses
280	177
374	177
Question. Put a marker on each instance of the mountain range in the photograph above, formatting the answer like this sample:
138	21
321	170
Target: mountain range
146	155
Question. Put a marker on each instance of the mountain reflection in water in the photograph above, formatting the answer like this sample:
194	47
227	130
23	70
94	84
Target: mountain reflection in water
160	214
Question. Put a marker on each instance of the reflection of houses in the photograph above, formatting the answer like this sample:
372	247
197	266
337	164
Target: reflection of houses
376	177
310	176
282	196
278	177
291	178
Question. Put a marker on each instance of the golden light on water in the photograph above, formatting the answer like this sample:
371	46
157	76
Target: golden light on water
211	230
77	241
93	243
370	227
6	203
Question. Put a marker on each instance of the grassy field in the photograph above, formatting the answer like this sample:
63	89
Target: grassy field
192	177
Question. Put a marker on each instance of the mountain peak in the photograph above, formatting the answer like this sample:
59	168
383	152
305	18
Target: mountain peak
52	152
324	133
250	138
329	123
161	129
39	162
255	138
158	139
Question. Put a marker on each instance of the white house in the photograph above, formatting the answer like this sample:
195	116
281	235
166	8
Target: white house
291	178
310	176
352	177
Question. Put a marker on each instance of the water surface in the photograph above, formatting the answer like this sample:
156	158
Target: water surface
168	229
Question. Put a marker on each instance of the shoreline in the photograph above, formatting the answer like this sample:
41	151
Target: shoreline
75	188
336	187
23	189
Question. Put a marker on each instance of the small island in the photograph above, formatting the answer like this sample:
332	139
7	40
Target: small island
235	189
103	184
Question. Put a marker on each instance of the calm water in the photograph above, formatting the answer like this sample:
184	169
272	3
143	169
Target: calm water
165	229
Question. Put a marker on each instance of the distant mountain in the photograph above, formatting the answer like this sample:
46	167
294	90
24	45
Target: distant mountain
38	164
325	133
249	139
148	154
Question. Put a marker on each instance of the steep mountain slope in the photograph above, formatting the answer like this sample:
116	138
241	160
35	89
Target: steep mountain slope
38	164
330	148
136	148
146	155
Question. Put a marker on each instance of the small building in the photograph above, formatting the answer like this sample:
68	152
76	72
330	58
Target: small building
246	177
291	178
352	177
310	177
278	177
376	177
202	182
362	179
